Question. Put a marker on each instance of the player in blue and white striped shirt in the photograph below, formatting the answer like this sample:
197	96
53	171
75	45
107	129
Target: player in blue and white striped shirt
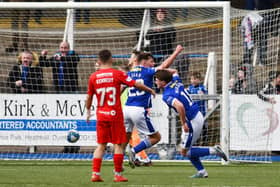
178	98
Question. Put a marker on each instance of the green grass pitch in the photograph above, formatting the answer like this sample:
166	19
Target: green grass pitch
77	174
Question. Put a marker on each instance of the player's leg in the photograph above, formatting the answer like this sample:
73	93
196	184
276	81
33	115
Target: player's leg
118	162
198	126
144	125
194	153
118	138
129	125
103	131
147	142
97	161
205	133
142	158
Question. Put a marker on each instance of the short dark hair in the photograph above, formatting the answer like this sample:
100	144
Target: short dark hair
164	75
196	75
136	52
104	55
144	56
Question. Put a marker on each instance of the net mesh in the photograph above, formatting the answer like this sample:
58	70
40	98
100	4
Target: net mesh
198	30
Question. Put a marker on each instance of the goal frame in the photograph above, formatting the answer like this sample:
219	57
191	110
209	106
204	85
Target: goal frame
225	5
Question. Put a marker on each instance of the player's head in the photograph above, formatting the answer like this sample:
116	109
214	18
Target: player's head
105	57
196	78
133	58
163	77
146	59
241	74
161	14
150	62
64	47
141	58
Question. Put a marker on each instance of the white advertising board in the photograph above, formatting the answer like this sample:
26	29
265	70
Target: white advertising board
44	119
254	124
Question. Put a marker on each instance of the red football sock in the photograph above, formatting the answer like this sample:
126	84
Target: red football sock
118	161
96	165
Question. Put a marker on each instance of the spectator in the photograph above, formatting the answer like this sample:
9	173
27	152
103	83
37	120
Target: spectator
196	87
243	85
85	14
273	87
26	76
161	36
19	18
255	36
257	27
64	67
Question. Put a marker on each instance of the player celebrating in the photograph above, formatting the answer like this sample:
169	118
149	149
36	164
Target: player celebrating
176	97
105	84
138	102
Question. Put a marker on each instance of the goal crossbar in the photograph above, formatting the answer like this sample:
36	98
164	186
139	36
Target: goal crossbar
112	5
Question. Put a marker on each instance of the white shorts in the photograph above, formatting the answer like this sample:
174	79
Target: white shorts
195	129
138	117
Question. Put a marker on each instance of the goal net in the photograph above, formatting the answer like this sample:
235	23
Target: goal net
49	100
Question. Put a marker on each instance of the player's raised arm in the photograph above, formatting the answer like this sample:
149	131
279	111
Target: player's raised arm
141	86
171	58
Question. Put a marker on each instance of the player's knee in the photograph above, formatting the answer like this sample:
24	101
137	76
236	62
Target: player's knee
157	137
118	149
128	136
102	147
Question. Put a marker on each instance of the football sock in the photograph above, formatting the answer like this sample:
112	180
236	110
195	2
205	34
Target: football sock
212	151
118	161
135	140
96	165
196	163
198	152
194	153
142	145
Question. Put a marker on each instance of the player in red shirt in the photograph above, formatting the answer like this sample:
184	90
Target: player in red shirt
106	85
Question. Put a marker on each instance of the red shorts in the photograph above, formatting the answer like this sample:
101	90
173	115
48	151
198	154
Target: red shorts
111	132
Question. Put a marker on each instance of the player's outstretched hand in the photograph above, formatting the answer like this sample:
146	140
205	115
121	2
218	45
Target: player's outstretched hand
179	48
88	116
44	52
185	127
184	152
